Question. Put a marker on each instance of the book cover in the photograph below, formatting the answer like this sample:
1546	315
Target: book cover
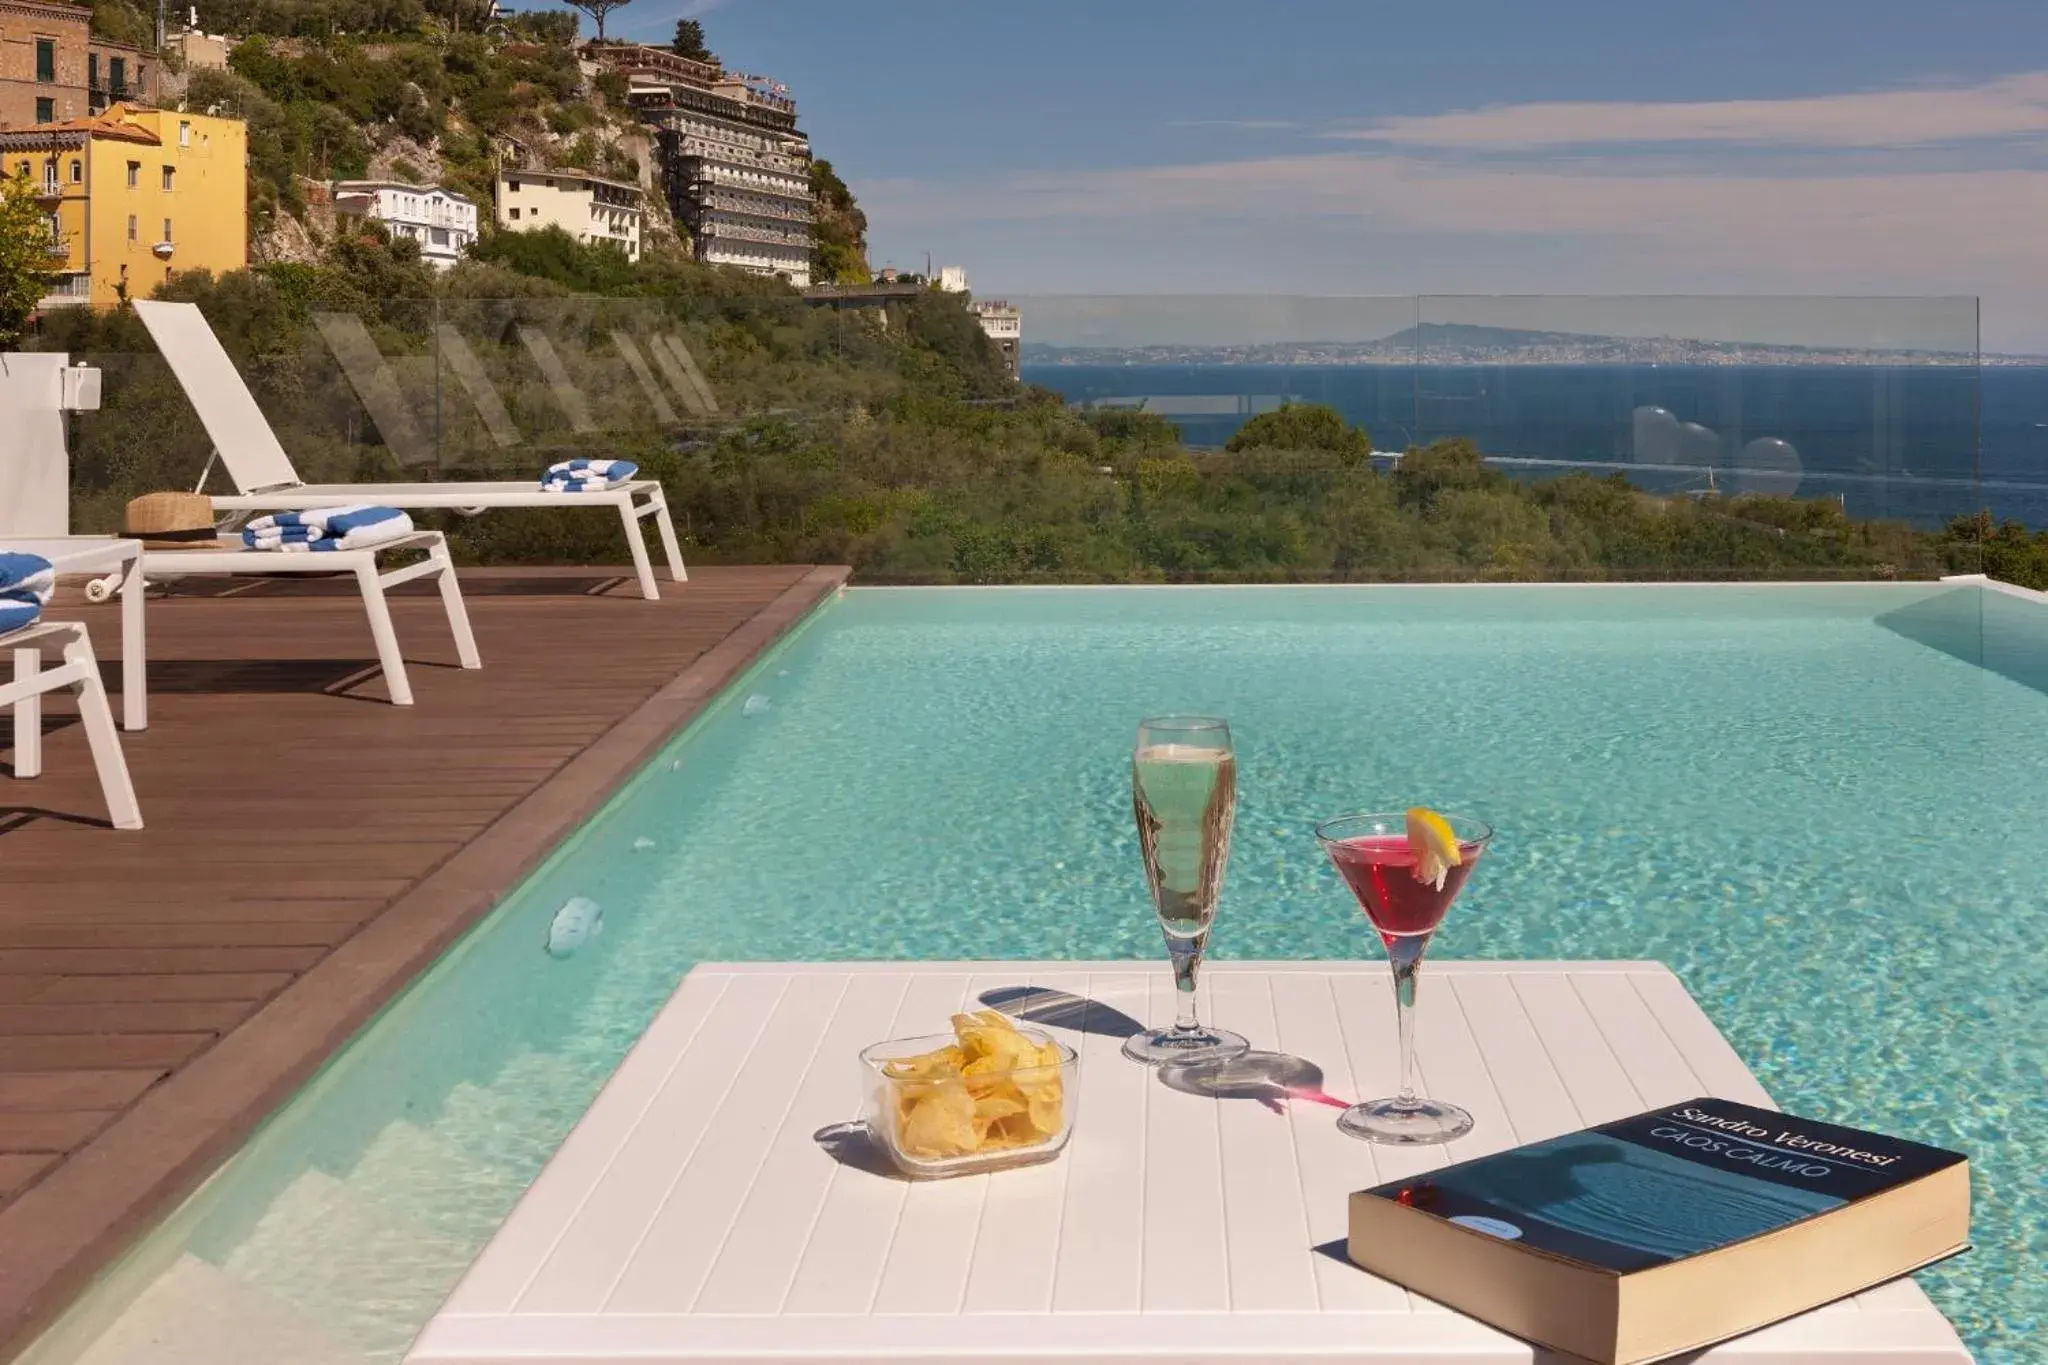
1667	1185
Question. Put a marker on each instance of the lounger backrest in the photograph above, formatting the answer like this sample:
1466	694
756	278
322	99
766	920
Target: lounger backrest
226	408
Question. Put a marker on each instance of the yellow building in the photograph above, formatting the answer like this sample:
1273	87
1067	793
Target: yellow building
134	195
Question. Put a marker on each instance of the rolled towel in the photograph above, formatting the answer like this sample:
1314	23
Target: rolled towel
27	577
587	476
326	521
18	610
336	528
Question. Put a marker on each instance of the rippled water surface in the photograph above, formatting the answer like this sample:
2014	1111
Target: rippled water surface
1820	806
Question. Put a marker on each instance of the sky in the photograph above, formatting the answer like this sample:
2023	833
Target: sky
1401	147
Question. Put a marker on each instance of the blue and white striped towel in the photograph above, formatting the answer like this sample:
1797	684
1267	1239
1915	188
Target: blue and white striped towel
327	528
26	582
587	476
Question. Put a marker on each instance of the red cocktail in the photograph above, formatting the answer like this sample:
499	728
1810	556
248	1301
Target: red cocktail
1380	870
1405	868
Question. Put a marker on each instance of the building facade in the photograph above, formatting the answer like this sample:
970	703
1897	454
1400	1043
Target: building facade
588	207
1003	324
443	222
53	70
134	195
735	169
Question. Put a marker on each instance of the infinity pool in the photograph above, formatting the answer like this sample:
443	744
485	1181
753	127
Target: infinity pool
1822	806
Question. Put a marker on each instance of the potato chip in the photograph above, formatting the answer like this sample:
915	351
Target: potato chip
993	1089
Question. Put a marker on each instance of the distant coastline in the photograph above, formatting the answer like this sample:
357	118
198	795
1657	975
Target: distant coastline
1462	344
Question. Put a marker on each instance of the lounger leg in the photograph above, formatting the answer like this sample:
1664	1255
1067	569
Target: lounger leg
669	545
98	719
28	717
637	543
134	651
458	613
379	612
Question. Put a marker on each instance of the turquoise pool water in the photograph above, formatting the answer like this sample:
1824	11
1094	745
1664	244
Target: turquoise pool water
1819	805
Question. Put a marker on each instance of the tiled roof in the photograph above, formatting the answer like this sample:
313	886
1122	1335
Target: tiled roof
108	125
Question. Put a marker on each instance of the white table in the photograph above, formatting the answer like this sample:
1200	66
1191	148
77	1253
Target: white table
692	1216
90	555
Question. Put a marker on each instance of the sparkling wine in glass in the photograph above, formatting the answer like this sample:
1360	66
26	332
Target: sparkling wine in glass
1184	794
1405	868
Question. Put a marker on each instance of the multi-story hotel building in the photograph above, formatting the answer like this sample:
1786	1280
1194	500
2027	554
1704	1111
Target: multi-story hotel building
588	207
53	69
735	168
134	195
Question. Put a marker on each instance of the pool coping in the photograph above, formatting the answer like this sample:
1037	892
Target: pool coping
118	1186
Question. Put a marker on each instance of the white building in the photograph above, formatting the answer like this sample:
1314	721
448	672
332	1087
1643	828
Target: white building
1002	323
736	168
588	207
443	222
953	278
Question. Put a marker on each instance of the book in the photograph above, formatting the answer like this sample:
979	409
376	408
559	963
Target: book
1667	1231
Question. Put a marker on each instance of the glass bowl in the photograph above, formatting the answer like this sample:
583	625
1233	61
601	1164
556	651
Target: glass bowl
959	1125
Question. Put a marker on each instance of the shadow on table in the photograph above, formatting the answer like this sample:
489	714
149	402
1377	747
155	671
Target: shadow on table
853	1146
1061	1009
1270	1078
1539	1355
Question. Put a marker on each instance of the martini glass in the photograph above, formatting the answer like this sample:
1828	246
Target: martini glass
1372	853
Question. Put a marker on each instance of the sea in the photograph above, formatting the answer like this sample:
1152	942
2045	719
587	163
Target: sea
1915	443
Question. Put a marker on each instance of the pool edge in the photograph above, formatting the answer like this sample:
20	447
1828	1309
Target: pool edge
64	1230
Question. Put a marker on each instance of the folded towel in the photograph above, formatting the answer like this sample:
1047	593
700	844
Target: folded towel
332	528
328	521
18	610
587	476
27	576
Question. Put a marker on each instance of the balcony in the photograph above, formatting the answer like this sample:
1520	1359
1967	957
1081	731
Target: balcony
745	232
69	291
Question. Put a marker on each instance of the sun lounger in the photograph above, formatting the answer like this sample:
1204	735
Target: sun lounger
265	480
80	672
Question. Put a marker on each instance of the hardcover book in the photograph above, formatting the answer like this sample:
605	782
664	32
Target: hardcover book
1668	1231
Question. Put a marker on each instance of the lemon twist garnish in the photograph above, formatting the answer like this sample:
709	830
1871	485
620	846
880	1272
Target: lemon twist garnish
1434	845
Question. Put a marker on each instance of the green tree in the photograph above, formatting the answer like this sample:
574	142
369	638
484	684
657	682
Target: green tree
26	262
690	41
839	229
1303	426
598	10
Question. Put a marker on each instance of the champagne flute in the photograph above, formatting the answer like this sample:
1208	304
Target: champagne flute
1184	794
1405	868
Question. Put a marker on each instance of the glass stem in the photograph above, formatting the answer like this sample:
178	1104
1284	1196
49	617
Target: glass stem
1405	952
1187	962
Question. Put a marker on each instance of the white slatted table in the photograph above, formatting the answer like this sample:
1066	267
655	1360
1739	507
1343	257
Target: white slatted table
692	1217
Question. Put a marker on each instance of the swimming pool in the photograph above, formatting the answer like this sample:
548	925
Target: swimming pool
1818	804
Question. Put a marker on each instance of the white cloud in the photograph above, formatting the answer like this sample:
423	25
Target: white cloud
2011	107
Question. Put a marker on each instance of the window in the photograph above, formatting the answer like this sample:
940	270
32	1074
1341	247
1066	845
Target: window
117	76
184	134
46	111
46	59
56	229
131	227
92	70
512	185
515	215
134	174
167	229
77	171
170	174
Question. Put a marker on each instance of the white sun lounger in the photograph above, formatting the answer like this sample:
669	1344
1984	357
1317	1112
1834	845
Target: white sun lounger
80	672
371	581
265	480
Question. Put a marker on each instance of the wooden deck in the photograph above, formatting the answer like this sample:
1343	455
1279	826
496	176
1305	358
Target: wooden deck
309	848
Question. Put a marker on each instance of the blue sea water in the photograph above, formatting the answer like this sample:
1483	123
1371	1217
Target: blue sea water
1913	443
1815	804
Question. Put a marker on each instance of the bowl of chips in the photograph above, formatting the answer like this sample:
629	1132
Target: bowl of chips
986	1096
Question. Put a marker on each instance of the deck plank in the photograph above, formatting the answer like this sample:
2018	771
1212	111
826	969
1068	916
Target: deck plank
308	849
